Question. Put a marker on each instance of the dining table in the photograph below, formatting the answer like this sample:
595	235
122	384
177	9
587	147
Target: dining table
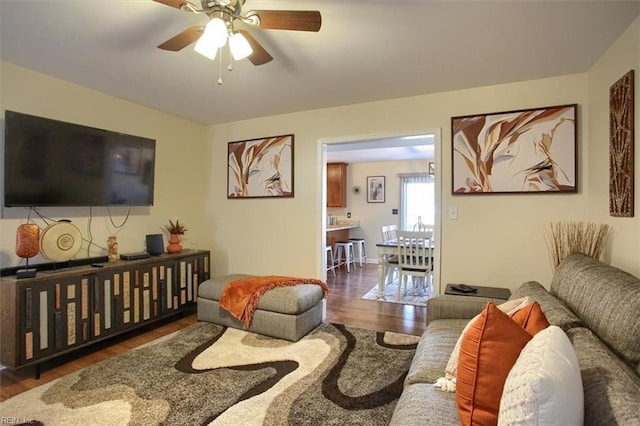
385	250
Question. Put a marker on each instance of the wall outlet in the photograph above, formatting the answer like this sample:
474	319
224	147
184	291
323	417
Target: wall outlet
453	213
394	211
349	215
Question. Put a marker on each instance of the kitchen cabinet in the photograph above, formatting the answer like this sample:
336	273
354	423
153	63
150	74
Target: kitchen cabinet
336	184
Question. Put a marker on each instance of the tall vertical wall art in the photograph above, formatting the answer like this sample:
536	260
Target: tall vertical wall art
621	140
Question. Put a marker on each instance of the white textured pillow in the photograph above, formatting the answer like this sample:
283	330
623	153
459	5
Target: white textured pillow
448	382
544	386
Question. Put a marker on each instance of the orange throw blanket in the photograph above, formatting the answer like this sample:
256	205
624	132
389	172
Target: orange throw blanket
240	297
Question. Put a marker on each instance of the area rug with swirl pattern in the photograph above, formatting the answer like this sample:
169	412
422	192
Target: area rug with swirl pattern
208	374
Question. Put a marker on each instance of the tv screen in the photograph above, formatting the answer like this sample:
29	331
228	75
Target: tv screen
53	163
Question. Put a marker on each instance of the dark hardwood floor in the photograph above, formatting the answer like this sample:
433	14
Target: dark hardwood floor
344	306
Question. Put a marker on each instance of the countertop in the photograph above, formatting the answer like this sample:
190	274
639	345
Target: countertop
342	226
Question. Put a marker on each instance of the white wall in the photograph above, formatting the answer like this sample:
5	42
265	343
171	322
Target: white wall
623	56
181	163
498	239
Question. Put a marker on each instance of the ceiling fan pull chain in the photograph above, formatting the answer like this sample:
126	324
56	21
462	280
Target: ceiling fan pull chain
230	67
220	69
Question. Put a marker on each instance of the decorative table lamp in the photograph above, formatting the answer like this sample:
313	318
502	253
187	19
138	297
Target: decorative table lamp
27	246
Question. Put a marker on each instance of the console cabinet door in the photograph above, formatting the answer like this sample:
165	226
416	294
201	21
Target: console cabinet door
190	272
112	297
153	295
55	315
199	272
137	300
202	268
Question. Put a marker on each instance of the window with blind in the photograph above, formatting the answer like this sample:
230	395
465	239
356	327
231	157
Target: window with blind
417	200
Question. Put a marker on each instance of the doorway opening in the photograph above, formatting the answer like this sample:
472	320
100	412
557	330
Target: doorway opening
376	155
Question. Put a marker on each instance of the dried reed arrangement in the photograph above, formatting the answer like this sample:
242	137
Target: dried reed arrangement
565	238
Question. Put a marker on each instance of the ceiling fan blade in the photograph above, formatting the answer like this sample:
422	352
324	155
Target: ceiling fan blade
183	39
297	20
259	56
174	3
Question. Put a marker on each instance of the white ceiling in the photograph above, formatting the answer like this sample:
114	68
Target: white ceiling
365	51
417	147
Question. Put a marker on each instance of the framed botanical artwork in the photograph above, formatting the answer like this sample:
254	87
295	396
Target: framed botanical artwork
526	151
375	189
260	168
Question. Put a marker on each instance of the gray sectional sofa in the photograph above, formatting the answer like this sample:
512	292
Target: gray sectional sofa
597	306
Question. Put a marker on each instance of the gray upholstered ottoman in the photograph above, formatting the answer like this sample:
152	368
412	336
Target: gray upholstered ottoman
283	312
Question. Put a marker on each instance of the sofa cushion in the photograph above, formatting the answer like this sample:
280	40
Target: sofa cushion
509	307
607	299
421	404
447	306
489	349
531	318
611	388
556	312
434	348
544	385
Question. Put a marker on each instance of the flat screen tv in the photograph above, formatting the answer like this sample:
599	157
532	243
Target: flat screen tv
53	163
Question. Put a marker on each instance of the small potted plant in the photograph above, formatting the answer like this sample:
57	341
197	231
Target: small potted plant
175	229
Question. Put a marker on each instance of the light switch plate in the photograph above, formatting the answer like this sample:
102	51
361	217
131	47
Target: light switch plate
453	213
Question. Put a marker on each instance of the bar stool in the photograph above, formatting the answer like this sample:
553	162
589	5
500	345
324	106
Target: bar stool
331	261
360	249
345	249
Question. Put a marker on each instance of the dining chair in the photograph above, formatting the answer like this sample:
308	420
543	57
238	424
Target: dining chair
391	268
393	232
420	227
384	230
415	258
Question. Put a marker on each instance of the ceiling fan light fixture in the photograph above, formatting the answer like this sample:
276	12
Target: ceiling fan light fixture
223	15
205	48
215	32
240	47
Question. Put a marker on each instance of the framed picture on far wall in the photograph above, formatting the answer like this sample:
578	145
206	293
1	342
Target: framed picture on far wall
526	151
260	168
375	189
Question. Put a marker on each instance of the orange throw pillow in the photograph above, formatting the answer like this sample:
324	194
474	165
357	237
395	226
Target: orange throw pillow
489	349
531	318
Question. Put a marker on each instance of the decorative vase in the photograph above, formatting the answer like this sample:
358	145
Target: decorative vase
112	248
27	246
174	244
27	240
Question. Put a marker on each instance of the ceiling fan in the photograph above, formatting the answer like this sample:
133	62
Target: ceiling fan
223	15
